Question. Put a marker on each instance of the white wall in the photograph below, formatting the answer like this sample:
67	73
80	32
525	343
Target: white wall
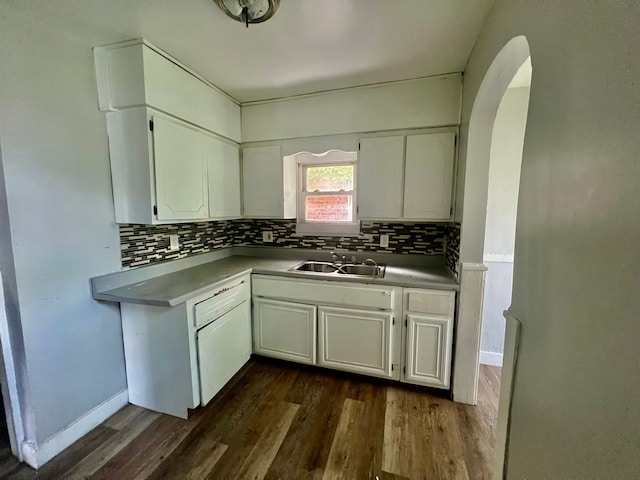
504	173
426	102
504	181
575	410
60	218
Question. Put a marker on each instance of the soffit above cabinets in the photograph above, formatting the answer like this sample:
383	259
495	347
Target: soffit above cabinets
308	46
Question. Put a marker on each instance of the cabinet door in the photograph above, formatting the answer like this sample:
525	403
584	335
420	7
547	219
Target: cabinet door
224	346
380	177
429	339
355	340
429	176
224	180
262	182
284	330
180	156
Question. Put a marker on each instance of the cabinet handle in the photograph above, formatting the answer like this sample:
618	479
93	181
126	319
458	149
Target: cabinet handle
219	292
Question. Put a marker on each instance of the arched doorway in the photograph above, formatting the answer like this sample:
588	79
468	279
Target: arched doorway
472	270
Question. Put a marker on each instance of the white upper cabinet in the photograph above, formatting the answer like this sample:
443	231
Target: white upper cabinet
166	171
224	180
429	176
406	177
180	157
268	183
380	177
136	74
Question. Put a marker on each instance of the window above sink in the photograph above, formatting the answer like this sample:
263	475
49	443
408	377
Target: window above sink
327	193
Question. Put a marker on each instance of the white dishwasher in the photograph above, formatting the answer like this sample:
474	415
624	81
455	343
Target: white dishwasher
224	336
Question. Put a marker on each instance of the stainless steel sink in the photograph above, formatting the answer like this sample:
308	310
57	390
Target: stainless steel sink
316	267
344	269
361	269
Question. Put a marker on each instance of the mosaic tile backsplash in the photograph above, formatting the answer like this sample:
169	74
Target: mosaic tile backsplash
452	249
146	244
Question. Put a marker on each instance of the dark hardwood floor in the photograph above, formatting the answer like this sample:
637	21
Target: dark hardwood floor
281	421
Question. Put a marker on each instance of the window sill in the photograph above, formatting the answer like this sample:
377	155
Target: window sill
328	229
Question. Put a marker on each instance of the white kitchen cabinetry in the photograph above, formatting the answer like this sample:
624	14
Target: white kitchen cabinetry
429	176
406	182
178	358
134	74
429	335
358	341
284	330
356	331
167	171
224	346
224	181
268	183
381	177
180	156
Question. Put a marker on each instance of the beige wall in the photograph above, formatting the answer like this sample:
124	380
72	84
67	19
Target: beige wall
575	410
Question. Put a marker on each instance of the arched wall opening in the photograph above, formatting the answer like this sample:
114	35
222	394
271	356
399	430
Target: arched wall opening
502	202
475	186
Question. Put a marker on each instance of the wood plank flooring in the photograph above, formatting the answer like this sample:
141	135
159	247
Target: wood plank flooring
282	421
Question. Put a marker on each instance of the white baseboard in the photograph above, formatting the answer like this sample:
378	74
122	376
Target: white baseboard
37	455
491	358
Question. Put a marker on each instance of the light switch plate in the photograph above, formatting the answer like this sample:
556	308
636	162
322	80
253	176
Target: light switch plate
384	240
267	236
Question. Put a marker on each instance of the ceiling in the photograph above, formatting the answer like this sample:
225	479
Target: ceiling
308	46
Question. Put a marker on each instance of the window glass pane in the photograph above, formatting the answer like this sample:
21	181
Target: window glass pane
329	208
330	178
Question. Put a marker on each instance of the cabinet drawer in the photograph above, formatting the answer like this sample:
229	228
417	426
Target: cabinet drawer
226	297
324	293
435	302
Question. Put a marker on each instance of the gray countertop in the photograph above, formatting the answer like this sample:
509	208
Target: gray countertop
173	288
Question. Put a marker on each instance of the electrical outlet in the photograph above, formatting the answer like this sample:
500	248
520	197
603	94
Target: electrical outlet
267	236
174	242
384	240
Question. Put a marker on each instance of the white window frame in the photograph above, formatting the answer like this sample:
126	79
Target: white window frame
305	160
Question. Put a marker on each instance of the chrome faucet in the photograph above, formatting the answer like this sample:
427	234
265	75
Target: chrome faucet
371	260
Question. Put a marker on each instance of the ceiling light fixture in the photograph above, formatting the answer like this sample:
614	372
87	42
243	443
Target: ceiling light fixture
249	11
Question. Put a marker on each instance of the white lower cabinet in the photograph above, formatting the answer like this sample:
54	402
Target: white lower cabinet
355	340
224	346
178	358
428	350
358	327
429	337
285	330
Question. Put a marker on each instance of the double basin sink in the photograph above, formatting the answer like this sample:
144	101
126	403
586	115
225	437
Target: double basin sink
347	269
